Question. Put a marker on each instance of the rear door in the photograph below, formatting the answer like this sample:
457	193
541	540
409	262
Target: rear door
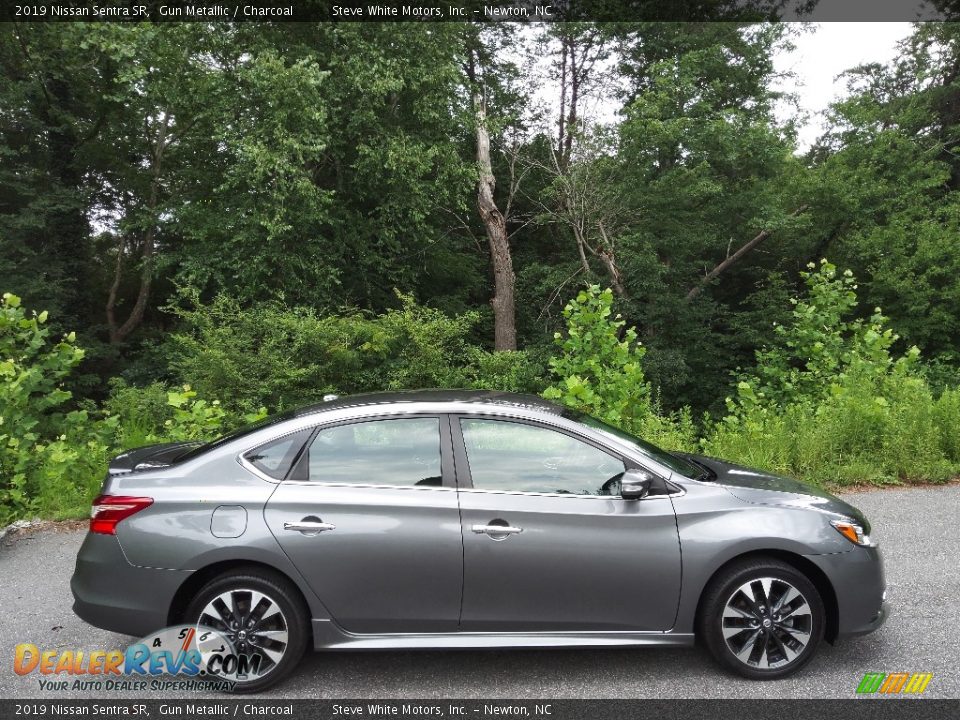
371	521
549	545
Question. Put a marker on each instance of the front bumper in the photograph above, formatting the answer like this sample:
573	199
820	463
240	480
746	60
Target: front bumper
112	594
874	624
858	582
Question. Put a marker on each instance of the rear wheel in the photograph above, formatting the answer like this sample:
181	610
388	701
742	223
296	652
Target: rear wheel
762	619
263	618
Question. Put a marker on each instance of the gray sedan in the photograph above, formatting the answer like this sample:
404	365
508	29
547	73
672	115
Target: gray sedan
468	519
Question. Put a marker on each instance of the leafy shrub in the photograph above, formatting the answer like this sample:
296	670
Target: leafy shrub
831	403
600	374
32	398
282	357
141	411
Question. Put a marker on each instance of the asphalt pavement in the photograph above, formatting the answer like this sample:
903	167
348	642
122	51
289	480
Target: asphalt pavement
917	529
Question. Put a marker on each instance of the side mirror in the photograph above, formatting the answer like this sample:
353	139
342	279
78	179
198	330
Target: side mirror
635	484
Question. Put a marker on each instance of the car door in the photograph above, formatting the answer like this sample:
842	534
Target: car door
548	543
370	519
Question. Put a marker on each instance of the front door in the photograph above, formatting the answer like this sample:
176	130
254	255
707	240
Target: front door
548	543
375	527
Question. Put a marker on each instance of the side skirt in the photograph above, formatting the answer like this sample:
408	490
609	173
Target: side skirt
328	636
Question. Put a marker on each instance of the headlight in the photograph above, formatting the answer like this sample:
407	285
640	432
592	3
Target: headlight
853	532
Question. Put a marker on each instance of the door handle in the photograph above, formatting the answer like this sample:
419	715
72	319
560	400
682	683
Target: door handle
496	530
309	526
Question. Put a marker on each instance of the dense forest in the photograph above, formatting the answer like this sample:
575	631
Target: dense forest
222	221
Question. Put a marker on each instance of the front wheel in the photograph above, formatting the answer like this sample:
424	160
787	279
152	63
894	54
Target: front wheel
762	619
262	617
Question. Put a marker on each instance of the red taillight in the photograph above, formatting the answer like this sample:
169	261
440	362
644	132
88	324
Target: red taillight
108	510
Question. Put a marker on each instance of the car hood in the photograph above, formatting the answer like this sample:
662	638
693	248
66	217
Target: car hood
149	457
764	488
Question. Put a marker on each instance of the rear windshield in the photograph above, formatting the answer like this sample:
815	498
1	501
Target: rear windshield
235	435
675	463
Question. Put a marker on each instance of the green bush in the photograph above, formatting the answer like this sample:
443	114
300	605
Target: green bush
52	454
600	374
141	411
282	357
831	403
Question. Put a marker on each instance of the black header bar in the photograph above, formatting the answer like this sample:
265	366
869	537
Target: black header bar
473	11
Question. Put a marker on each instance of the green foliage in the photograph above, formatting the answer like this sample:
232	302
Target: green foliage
53	454
600	374
280	357
831	403
32	416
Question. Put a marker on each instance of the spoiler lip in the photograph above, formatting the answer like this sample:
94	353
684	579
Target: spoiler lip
149	457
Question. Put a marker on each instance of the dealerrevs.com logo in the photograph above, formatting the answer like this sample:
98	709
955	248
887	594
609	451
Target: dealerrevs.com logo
199	658
898	683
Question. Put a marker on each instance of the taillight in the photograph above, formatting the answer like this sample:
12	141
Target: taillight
108	510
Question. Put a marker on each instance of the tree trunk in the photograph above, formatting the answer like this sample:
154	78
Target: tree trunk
504	311
733	259
609	260
119	333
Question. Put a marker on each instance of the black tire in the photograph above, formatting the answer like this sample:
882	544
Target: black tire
773	644
279	590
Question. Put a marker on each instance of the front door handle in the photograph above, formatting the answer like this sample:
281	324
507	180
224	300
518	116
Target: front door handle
493	530
311	527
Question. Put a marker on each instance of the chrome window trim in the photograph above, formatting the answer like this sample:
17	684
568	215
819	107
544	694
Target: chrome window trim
381	486
377	486
592	438
247	465
253	468
570	496
361	413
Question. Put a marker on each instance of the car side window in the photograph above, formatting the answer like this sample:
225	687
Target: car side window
275	457
403	451
512	456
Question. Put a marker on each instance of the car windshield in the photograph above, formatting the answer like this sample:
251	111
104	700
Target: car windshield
231	436
677	464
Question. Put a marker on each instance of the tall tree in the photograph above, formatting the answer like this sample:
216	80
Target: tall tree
891	167
486	72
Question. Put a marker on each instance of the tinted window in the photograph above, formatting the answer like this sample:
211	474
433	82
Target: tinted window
677	464
275	457
513	456
378	452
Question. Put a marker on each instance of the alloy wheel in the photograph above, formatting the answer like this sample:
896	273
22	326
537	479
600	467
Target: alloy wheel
767	623
255	626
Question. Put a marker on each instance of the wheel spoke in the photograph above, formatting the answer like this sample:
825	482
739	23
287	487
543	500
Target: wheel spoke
275	635
275	655
758	654
223	609
731	611
789	595
799	609
801	636
749	593
784	650
731	632
746	650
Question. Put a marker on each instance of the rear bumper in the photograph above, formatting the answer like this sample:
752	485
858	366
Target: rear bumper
858	581
112	594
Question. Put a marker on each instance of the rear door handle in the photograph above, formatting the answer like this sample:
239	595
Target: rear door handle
309	526
496	530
